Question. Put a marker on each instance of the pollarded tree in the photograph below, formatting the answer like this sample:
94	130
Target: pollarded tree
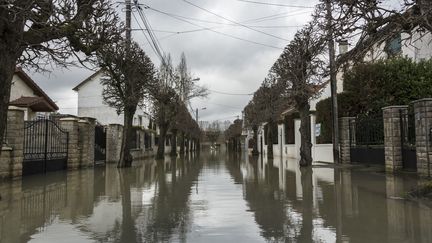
301	68
270	101
129	76
36	34
165	101
232	135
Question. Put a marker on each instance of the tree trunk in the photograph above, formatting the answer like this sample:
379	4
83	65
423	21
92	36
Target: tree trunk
270	140
125	154
174	143
198	146
182	143
187	145
161	143
7	70
255	138
305	135
307	205
128	230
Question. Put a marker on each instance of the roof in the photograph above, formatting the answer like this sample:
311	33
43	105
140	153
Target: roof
76	88
35	103
36	89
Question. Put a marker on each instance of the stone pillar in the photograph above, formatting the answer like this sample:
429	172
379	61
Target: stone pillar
71	126
84	143
15	141
393	136
92	130
423	126
344	139
114	140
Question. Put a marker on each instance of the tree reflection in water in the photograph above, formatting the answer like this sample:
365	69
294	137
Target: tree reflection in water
213	198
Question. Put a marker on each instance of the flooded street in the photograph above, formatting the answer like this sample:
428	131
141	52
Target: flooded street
213	198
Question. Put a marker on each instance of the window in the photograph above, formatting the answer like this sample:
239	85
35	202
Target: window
393	46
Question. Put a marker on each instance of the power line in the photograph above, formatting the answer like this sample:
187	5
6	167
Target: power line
232	21
276	4
214	31
226	93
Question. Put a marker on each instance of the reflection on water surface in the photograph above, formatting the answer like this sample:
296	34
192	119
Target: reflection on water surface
213	198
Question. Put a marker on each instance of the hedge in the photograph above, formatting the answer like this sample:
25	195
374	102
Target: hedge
370	86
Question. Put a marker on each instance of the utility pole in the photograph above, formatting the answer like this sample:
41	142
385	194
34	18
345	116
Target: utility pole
333	82
128	20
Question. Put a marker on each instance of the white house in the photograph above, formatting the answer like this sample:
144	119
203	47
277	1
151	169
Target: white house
415	47
26	95
91	104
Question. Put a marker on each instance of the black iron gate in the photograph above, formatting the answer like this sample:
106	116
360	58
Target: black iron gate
45	147
100	144
408	140
367	140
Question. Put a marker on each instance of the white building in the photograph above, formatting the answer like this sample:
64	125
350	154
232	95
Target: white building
91	104
26	95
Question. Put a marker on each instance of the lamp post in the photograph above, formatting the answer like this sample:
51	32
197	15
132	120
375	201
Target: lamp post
204	108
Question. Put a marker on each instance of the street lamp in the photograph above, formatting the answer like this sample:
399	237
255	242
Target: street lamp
204	108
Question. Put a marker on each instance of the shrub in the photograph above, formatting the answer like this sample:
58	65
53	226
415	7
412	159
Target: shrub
368	87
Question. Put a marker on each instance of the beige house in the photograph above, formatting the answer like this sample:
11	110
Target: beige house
26	95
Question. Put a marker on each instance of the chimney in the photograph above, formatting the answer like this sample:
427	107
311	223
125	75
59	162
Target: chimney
343	46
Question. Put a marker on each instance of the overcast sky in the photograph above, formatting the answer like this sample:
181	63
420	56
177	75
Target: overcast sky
223	64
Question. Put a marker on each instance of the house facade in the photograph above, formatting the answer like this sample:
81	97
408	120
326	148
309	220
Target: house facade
26	95
91	104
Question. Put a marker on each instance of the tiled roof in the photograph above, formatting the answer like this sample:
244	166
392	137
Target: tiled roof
35	103
36	89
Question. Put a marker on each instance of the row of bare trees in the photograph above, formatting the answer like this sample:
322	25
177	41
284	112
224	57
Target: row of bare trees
42	34
301	71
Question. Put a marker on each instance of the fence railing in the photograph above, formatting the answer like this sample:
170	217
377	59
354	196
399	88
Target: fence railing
367	131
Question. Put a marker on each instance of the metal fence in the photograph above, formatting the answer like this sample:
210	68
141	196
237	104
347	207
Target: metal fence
367	131
367	139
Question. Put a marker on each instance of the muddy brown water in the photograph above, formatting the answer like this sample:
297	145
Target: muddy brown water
213	198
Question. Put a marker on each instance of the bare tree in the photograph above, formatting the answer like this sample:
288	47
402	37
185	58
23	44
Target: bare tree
213	132
232	135
301	68
270	101
36	34
165	100
176	88
129	76
253	120
368	24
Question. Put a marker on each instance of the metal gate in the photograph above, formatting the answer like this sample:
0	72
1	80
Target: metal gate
408	140
367	140
45	147
100	144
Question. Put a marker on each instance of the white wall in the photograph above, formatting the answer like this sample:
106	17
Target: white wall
91	104
320	152
19	88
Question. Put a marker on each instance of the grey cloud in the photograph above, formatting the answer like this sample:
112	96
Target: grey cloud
222	63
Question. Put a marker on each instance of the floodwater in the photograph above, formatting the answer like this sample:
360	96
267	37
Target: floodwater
213	198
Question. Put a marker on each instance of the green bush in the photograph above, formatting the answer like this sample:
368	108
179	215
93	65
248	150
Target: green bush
368	87
324	115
